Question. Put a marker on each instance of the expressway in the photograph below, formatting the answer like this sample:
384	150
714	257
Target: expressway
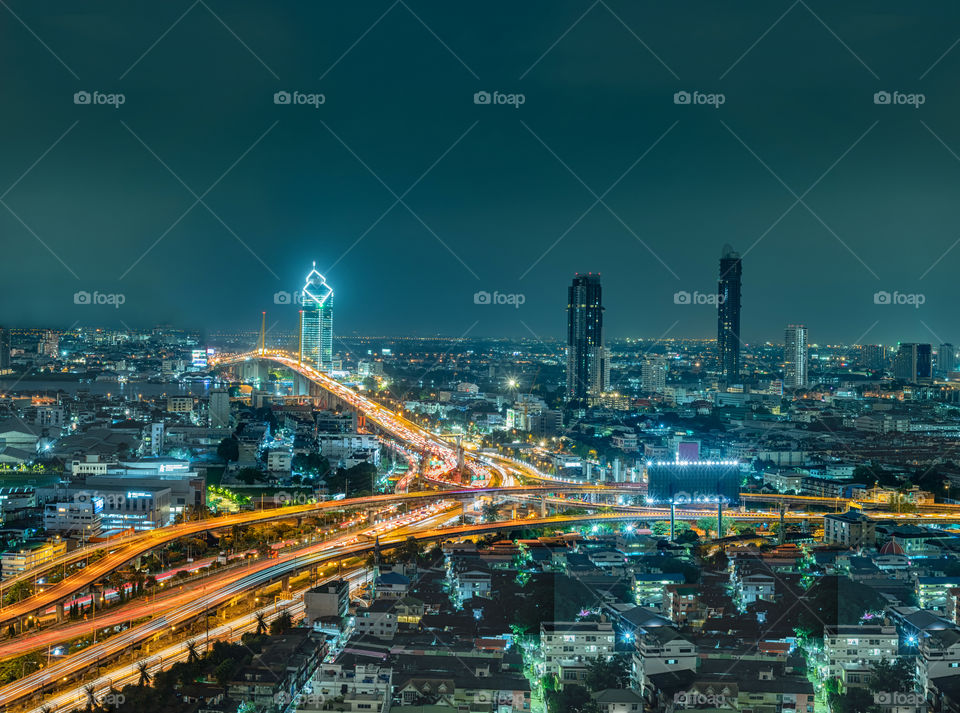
325	552
135	545
189	604
485	470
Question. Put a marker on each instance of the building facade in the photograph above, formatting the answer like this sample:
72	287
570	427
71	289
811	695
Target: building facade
586	358
728	315
316	322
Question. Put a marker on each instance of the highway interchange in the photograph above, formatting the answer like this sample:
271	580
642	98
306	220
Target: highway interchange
490	475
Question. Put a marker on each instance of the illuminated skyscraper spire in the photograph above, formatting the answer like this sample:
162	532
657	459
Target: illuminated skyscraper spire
316	324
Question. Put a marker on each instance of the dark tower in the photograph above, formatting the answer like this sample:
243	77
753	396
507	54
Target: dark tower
586	358
728	315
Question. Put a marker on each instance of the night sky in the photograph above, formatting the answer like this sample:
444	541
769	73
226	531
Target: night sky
199	198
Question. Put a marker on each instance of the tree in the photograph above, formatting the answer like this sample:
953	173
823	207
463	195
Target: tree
16	592
144	674
192	651
896	676
261	624
491	511
281	625
853	700
603	674
229	450
410	550
249	476
571	699
312	463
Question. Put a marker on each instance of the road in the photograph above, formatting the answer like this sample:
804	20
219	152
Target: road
190	604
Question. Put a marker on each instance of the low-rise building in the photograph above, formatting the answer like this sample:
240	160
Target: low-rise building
857	645
30	554
364	687
379	620
849	529
565	641
326	600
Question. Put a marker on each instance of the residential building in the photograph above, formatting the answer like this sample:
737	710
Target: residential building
795	357
327	600
849	529
846	646
566	641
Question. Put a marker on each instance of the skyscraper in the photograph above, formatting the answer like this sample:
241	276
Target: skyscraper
913	363
795	357
4	349
728	315
946	359
873	356
586	358
316	325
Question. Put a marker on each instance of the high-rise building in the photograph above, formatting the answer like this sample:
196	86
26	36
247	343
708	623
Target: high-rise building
316	325
795	357
4	349
587	373
873	356
49	344
913	363
654	375
219	408
728	314
946	359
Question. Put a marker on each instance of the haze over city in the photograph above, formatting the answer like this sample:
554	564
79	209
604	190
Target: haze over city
418	357
502	197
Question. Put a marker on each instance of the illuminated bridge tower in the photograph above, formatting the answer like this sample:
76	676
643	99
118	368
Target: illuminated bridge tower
316	326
